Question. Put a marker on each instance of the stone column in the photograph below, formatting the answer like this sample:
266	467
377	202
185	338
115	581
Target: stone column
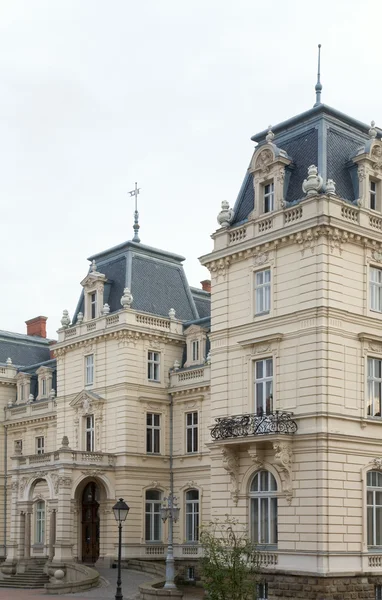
52	533
64	543
21	536
27	547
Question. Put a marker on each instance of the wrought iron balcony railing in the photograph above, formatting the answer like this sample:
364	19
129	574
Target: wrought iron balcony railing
253	424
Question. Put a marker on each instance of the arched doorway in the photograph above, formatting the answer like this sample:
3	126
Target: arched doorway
90	523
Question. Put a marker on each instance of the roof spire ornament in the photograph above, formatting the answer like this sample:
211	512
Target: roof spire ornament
372	130
135	193
318	87
270	135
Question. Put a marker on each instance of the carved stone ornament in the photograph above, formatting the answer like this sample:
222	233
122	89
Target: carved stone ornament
361	173
372	130
65	442
376	156
80	318
256	458
15	486
93	472
65	482
65	319
313	184
155	484
283	463
377	255
330	187
127	298
106	309
231	465
225	216
264	160
56	482
377	464
86	405
259	258
23	484
218	268
336	239
308	239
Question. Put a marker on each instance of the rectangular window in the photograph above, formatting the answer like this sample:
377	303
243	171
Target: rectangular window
40	522
374	382
40	445
262	591
264	386
93	305
89	433
152	433
373	194
195	350
262	292
269	197
375	289
21	391
153	366
378	592
43	388
89	369
192	432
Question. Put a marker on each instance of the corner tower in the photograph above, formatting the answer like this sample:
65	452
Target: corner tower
296	354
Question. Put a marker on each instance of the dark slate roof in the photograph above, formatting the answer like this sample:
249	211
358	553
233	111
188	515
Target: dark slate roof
23	350
156	280
322	136
202	301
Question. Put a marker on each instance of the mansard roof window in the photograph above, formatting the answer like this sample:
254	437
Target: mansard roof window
269	197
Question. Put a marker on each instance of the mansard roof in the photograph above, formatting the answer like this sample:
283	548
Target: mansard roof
156	279
321	136
23	350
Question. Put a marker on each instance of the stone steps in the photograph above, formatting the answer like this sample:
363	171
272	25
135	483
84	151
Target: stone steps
33	578
147	566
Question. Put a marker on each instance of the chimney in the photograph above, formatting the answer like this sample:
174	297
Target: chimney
206	285
37	326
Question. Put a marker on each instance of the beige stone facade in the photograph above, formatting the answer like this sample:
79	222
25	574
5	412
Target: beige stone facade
277	424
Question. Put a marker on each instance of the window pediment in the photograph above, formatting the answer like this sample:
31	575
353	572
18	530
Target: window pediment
87	401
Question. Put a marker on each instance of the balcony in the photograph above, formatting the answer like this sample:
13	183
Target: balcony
74	458
190	378
241	426
120	320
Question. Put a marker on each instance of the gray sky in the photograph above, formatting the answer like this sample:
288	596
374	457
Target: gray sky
96	94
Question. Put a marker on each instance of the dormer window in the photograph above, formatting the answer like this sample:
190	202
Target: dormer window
196	345
23	387
374	203
45	382
269	197
93	305
195	350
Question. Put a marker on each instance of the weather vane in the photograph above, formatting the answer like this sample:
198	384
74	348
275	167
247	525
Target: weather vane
135	193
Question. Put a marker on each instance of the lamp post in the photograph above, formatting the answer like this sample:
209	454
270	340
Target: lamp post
121	511
170	511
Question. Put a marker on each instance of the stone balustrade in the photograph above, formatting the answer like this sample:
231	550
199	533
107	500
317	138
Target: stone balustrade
74	457
30	409
191	377
119	320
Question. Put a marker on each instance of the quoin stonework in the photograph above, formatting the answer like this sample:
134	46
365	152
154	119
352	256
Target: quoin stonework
269	376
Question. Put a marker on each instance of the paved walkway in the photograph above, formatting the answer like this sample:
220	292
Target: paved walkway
106	591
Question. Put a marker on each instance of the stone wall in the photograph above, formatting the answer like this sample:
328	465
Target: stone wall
282	586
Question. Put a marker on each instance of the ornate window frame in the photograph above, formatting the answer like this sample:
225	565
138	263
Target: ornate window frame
369	163
44	374
195	333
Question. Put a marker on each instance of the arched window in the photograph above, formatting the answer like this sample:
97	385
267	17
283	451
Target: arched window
374	508
40	522
153	522
264	508
192	516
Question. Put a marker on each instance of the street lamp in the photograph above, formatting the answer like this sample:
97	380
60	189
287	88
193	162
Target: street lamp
121	511
170	511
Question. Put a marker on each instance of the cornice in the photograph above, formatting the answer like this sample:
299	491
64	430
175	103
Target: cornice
191	391
305	234
22	422
128	334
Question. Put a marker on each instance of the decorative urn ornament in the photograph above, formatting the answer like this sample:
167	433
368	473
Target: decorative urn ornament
313	184
171	313
106	309
65	320
226	214
80	318
330	187
127	298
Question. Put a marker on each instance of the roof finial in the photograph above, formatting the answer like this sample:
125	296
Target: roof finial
318	87
135	193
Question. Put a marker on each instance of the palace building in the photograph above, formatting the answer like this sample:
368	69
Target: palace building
262	390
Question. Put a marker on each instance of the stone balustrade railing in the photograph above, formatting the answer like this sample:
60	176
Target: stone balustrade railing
291	217
30	409
100	459
118	319
198	376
